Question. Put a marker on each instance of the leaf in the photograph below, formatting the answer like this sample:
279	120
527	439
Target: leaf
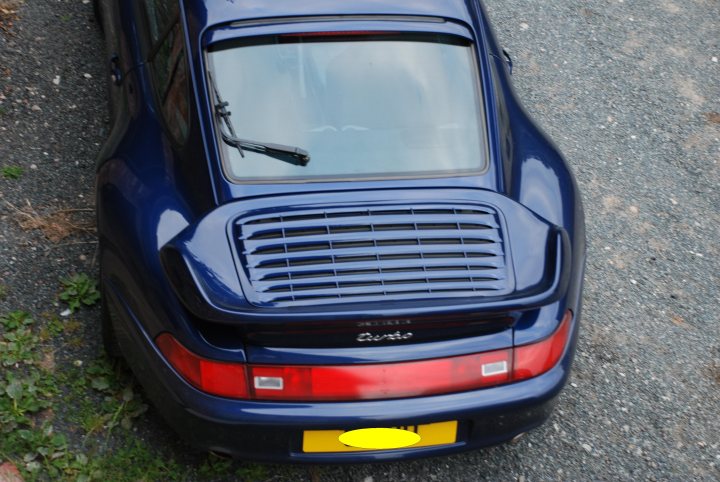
14	390
126	423
58	440
100	383
127	394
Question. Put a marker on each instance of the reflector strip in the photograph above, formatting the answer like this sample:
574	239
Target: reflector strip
269	383
496	368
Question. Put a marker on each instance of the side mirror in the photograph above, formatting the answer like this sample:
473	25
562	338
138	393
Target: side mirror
508	60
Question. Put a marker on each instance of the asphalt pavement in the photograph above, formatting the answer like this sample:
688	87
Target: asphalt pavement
628	89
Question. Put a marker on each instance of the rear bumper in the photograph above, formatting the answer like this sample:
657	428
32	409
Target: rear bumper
270	431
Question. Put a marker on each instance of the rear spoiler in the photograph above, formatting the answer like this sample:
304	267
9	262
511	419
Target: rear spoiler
207	267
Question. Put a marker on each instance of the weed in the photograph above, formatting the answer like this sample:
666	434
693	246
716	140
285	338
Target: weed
3	292
79	291
215	467
21	397
53	326
120	403
252	472
18	346
135	461
99	398
48	451
18	343
15	320
12	172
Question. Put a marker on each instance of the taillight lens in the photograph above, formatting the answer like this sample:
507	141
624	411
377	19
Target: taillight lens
366	382
537	358
392	380
217	378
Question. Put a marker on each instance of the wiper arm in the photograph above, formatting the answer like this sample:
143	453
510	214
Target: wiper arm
293	155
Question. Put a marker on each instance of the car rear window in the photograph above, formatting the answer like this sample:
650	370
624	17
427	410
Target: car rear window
363	104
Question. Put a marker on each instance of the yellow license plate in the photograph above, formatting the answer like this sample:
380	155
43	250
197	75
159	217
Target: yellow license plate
442	433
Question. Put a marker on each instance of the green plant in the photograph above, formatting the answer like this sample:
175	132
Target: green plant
120	405
12	172
3	292
136	461
53	327
21	397
79	290
18	343
15	320
18	346
46	453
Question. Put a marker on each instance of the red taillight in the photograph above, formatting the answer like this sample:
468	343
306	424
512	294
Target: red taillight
218	378
392	380
367	382
537	358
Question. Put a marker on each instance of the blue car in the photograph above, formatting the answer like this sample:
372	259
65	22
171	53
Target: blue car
328	230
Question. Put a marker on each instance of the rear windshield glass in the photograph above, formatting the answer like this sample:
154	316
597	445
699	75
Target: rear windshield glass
378	105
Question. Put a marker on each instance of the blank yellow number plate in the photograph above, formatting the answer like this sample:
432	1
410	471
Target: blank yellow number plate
442	433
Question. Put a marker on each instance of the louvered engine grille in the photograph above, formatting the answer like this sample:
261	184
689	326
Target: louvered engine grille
384	253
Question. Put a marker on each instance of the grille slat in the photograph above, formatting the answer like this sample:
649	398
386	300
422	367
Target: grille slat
336	255
382	290
491	235
483	221
489	262
426	276
369	298
480	253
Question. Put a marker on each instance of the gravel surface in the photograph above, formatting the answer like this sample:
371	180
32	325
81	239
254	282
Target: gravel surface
629	89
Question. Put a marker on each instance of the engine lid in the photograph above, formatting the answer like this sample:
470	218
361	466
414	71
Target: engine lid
364	254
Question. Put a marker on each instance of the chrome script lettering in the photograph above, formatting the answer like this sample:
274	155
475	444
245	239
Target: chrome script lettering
397	336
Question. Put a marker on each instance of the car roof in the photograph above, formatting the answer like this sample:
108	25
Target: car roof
206	13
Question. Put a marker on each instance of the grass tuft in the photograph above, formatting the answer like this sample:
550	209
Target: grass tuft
12	172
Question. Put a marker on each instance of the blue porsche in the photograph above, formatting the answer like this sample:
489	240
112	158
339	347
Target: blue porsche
328	230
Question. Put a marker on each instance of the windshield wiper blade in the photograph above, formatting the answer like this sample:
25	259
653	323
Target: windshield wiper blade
293	155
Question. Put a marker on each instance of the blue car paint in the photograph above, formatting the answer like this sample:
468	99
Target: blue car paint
489	416
147	198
